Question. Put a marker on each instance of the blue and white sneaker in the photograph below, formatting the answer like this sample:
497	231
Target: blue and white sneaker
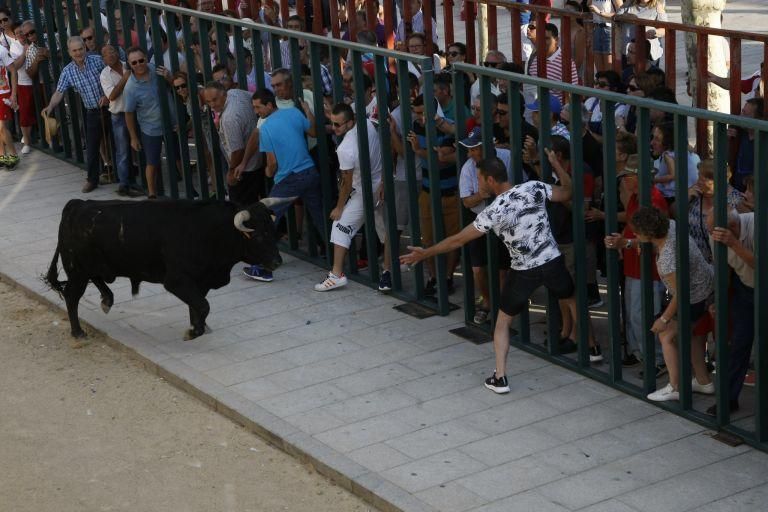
258	273
385	281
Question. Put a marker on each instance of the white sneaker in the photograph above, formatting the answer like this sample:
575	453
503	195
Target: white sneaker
664	394
331	282
704	389
26	149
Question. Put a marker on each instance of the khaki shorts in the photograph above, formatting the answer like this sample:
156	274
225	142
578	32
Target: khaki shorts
451	222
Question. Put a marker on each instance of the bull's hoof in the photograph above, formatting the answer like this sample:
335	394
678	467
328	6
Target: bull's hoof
106	306
78	333
196	333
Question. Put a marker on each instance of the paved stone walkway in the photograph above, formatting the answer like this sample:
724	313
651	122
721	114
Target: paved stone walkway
390	406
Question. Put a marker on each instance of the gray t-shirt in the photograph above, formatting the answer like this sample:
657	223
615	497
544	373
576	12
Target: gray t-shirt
701	274
236	123
655	13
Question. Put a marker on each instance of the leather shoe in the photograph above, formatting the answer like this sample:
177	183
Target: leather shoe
733	406
89	187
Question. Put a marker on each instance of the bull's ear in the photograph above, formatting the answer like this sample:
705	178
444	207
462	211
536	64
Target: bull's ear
272	202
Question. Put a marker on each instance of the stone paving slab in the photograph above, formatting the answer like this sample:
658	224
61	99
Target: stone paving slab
389	406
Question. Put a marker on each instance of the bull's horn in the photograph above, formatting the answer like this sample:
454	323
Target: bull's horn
271	202
240	218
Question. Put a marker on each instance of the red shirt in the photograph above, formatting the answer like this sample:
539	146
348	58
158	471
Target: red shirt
632	255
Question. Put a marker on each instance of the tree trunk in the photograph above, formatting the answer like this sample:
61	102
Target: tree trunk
706	13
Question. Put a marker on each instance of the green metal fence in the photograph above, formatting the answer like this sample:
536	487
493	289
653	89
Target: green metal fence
145	16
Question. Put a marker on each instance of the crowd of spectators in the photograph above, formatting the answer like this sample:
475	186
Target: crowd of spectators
266	133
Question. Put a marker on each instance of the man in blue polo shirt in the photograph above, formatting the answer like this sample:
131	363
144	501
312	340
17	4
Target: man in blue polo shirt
283	139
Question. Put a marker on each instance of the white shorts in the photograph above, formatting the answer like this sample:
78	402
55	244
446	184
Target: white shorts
353	218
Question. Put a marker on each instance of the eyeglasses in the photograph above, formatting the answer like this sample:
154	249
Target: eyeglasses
475	108
139	61
531	26
180	87
339	125
31	33
490	64
3	20
454	54
87	38
632	88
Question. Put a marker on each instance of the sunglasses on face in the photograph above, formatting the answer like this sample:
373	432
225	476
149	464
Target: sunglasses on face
137	62
87	38
180	87
489	64
339	125
4	20
31	33
632	88
602	84
454	54
531	27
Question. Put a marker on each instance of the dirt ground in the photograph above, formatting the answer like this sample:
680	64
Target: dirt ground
88	429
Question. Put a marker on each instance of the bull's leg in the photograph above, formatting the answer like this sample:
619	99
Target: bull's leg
191	295
107	297
73	292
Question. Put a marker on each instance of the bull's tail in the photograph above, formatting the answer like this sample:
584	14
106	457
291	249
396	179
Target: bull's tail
52	277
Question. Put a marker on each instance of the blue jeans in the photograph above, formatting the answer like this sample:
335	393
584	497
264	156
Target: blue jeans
122	148
743	314
634	328
306	185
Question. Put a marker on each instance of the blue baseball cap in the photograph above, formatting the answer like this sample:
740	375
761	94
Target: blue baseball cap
555	107
474	139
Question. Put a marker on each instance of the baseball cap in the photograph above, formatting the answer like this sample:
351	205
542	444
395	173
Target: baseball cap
474	139
555	107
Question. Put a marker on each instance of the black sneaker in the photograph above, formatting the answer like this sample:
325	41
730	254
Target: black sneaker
385	281
630	361
595	303
430	289
497	384
595	354
567	346
450	286
733	405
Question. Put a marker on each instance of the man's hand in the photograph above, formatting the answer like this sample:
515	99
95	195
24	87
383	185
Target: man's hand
732	132
615	241
724	236
594	215
552	157
103	101
163	72
136	144
42	53
530	149
336	213
237	172
380	193
659	325
414	140
416	255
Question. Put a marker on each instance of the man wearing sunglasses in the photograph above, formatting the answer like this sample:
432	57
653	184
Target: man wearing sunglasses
83	75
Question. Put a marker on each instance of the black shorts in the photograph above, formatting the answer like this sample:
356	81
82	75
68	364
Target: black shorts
520	285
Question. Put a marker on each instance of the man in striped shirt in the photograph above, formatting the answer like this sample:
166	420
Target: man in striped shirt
83	74
554	69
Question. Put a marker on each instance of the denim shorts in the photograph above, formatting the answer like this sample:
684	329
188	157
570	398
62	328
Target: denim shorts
601	39
152	145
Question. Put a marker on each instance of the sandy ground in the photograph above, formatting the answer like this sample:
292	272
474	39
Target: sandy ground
89	429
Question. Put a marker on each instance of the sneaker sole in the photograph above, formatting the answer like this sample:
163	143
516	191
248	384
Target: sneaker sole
262	279
595	359
385	290
666	398
499	391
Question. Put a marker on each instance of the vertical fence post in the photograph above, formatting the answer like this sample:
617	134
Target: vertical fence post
682	273
761	285
670	49
611	194
414	186
459	79
721	275
735	95
517	36
448	35
491	241
647	298
469	33
322	141
493	28
361	122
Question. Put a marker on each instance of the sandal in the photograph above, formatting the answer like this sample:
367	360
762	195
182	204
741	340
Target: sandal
481	316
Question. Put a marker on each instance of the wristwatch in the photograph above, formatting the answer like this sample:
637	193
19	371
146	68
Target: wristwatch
629	244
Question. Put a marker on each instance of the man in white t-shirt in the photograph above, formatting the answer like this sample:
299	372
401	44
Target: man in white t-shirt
519	218
349	214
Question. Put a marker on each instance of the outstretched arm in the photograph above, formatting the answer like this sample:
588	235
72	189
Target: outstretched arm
449	244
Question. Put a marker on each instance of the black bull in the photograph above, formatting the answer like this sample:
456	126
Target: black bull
188	246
